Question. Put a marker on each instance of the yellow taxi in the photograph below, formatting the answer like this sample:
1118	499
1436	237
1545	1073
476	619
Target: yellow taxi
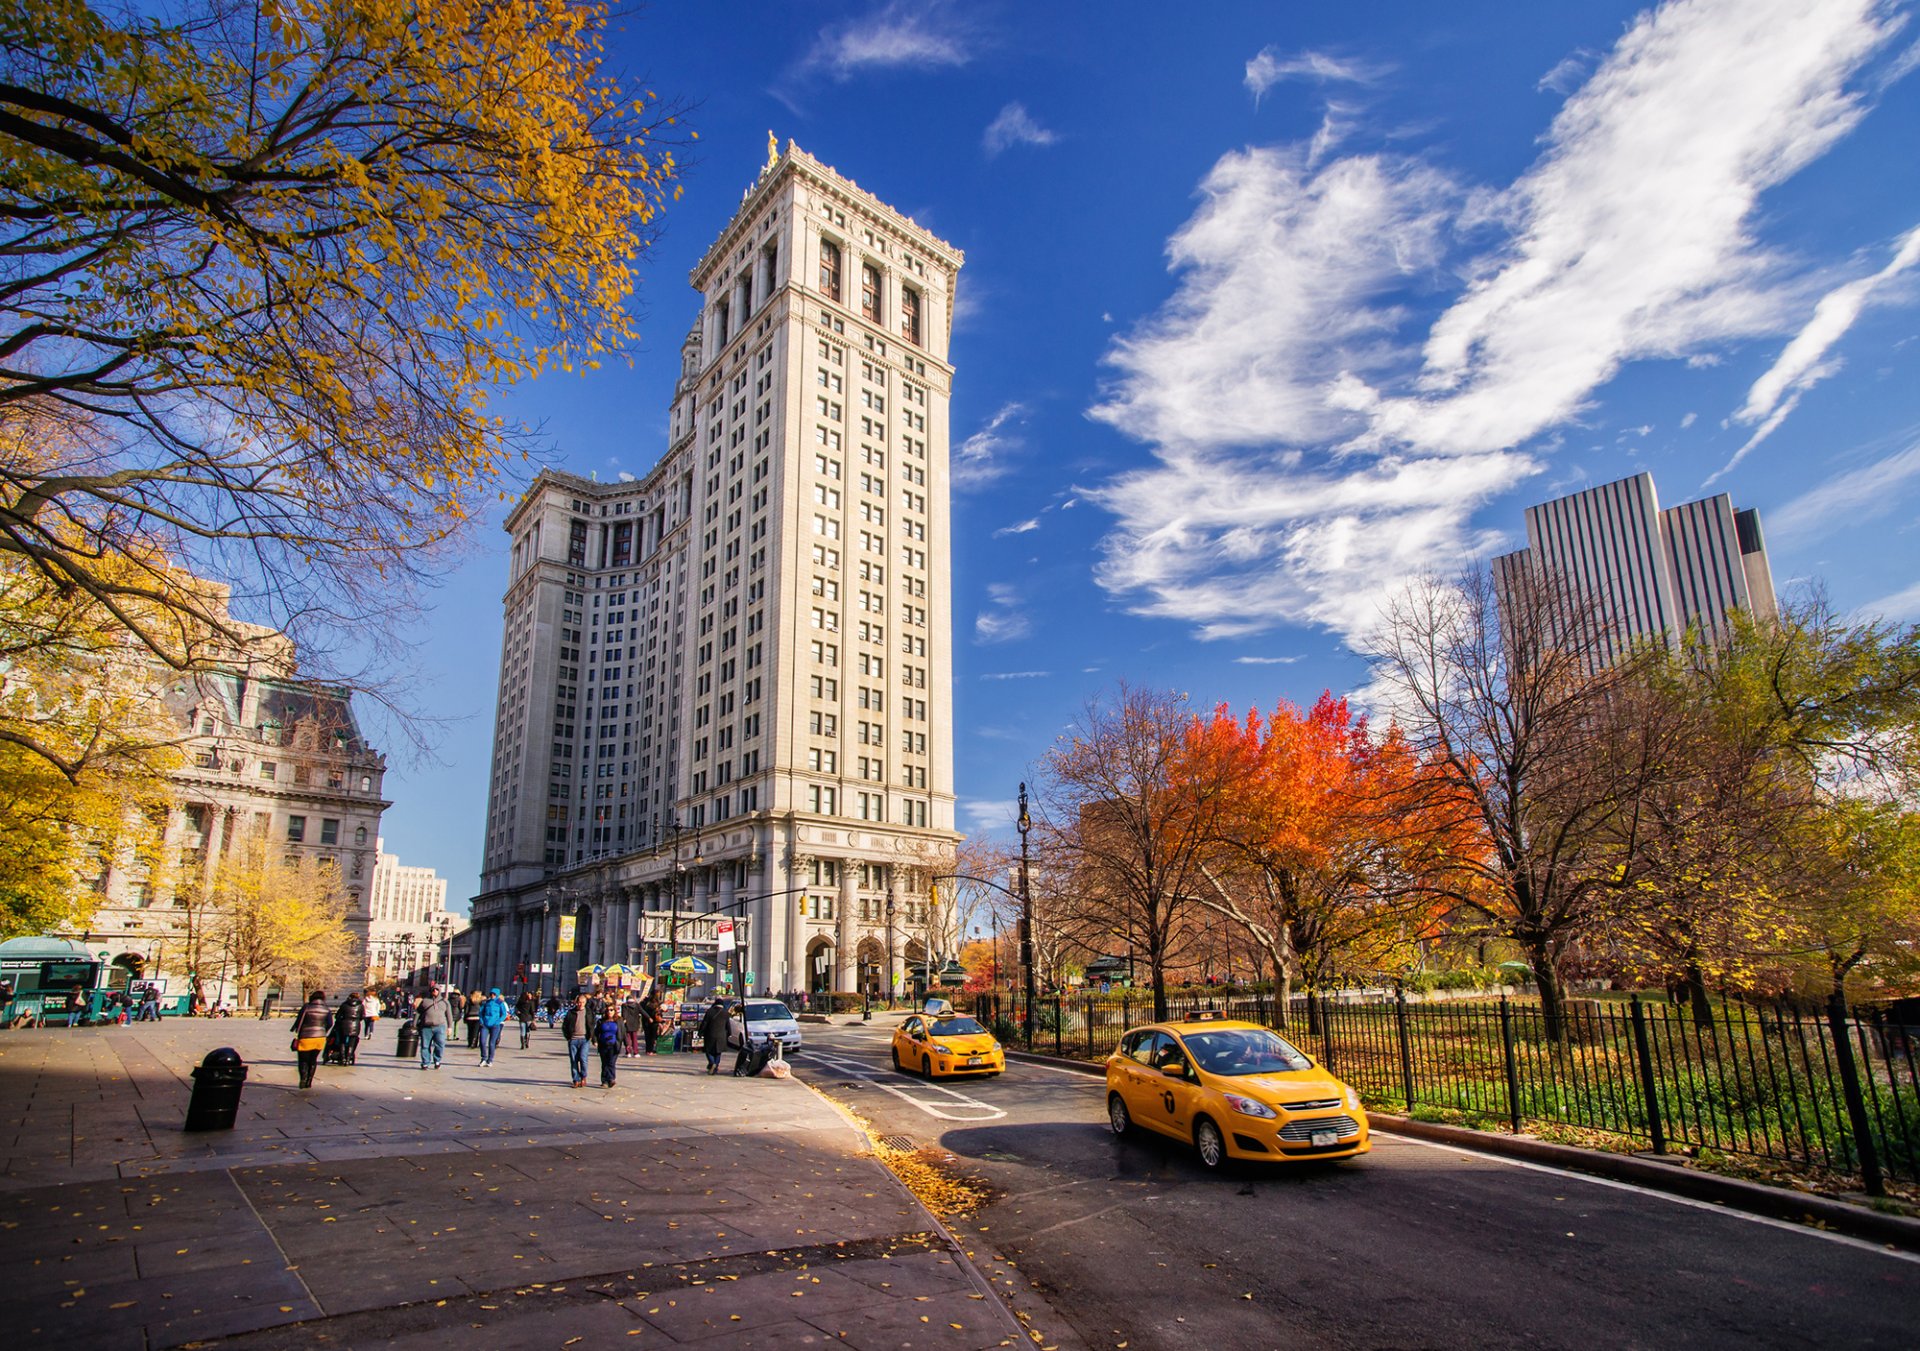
1234	1090
939	1044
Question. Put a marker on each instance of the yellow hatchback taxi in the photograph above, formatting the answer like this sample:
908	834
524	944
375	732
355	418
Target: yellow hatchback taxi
1234	1090
946	1043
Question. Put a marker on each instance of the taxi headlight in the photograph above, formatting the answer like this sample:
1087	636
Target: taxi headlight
1248	1106
942	1050
1353	1098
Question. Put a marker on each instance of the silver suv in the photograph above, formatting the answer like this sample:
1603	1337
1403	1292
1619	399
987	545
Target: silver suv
769	1018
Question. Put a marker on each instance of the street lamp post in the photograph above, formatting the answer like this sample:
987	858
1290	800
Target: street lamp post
533	960
445	947
406	954
889	943
1023	825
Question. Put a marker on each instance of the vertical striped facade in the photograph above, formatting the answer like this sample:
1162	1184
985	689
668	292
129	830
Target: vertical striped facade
1657	572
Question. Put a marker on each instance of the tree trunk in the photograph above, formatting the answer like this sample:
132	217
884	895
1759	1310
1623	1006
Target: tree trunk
1697	995
1552	995
1282	991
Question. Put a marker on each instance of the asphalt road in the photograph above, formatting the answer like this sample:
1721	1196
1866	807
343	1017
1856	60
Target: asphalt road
1132	1245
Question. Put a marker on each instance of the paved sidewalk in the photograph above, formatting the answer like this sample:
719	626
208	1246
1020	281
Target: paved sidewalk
390	1206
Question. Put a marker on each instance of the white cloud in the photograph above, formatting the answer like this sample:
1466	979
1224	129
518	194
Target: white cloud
1568	74
1855	495
1270	67
981	458
1004	621
985	815
1688	420
1901	607
895	36
1313	448
1015	126
1018	527
1802	363
1266	661
1015	675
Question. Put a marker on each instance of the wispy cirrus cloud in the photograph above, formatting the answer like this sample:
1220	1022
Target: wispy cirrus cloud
1271	65
1266	661
982	457
1014	126
1015	675
1854	495
1803	363
1315	442
1018	527
1003	620
895	36
1900	607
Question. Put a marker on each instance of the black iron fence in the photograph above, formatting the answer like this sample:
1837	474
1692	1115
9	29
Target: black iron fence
1837	1092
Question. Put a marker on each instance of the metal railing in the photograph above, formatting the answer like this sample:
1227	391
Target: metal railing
1835	1093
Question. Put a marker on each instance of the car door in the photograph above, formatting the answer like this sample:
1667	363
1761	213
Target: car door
1175	1087
1150	1101
906	1043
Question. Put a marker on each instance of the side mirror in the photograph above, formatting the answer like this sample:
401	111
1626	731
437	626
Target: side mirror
1174	1071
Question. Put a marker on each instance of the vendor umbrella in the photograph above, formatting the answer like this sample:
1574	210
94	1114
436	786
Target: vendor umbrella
690	966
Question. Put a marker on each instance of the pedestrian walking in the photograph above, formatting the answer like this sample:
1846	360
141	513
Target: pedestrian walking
457	1006
471	1013
606	1040
433	1015
492	1016
552	1009
713	1032
76	1005
310	1026
369	1013
149	1006
525	1009
630	1023
575	1027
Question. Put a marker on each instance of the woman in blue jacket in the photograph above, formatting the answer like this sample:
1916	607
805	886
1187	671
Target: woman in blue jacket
493	1017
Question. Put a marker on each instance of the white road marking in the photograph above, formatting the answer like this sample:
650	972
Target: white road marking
859	1069
1726	1211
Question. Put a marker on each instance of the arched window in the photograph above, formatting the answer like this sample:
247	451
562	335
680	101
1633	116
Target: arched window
870	291
360	835
830	269
910	315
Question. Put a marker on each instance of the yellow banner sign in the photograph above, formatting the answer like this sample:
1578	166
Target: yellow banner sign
566	933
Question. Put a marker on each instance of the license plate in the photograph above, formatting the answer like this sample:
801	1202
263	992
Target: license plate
973	1060
1321	1139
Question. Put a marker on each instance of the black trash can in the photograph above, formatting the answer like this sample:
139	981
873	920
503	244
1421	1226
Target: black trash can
217	1081
407	1043
266	1007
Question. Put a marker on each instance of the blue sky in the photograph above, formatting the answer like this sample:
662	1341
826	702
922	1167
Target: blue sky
1267	307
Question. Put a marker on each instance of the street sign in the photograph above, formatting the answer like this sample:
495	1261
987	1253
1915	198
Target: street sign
723	930
749	977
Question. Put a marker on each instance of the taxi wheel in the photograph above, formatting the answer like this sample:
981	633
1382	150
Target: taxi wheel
926	1066
1210	1143
894	1051
1118	1117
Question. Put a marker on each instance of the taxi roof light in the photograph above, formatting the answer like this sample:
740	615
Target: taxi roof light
1207	1016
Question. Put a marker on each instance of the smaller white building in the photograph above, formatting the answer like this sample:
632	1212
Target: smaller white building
409	926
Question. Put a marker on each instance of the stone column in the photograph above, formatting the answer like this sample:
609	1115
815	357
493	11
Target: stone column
845	943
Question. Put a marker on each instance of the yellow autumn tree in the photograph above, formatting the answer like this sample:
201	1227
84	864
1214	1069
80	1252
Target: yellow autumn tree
269	260
264	917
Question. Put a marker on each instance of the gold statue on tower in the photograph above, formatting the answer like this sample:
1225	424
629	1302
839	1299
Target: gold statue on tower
773	149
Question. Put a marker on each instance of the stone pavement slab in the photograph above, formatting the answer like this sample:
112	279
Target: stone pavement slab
390	1203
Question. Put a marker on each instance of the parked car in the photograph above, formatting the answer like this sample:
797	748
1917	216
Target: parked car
771	1020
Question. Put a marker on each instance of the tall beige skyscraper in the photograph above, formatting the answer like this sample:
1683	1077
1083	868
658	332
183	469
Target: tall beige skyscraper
725	685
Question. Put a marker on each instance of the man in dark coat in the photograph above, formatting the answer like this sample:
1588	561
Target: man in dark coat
713	1032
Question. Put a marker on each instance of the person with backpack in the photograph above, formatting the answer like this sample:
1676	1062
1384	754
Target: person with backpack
310	1027
577	1028
492	1016
607	1035
432	1015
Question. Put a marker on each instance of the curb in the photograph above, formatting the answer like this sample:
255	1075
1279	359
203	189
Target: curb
979	1278
1754	1198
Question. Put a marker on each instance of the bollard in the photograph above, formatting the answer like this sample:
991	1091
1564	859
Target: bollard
407	1042
217	1081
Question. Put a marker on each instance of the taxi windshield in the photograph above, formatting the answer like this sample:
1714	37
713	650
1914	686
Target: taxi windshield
1243	1050
956	1027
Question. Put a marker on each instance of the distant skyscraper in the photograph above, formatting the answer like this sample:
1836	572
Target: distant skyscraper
726	684
1658	572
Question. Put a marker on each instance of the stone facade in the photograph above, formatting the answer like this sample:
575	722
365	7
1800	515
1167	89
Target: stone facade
409	928
725	685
